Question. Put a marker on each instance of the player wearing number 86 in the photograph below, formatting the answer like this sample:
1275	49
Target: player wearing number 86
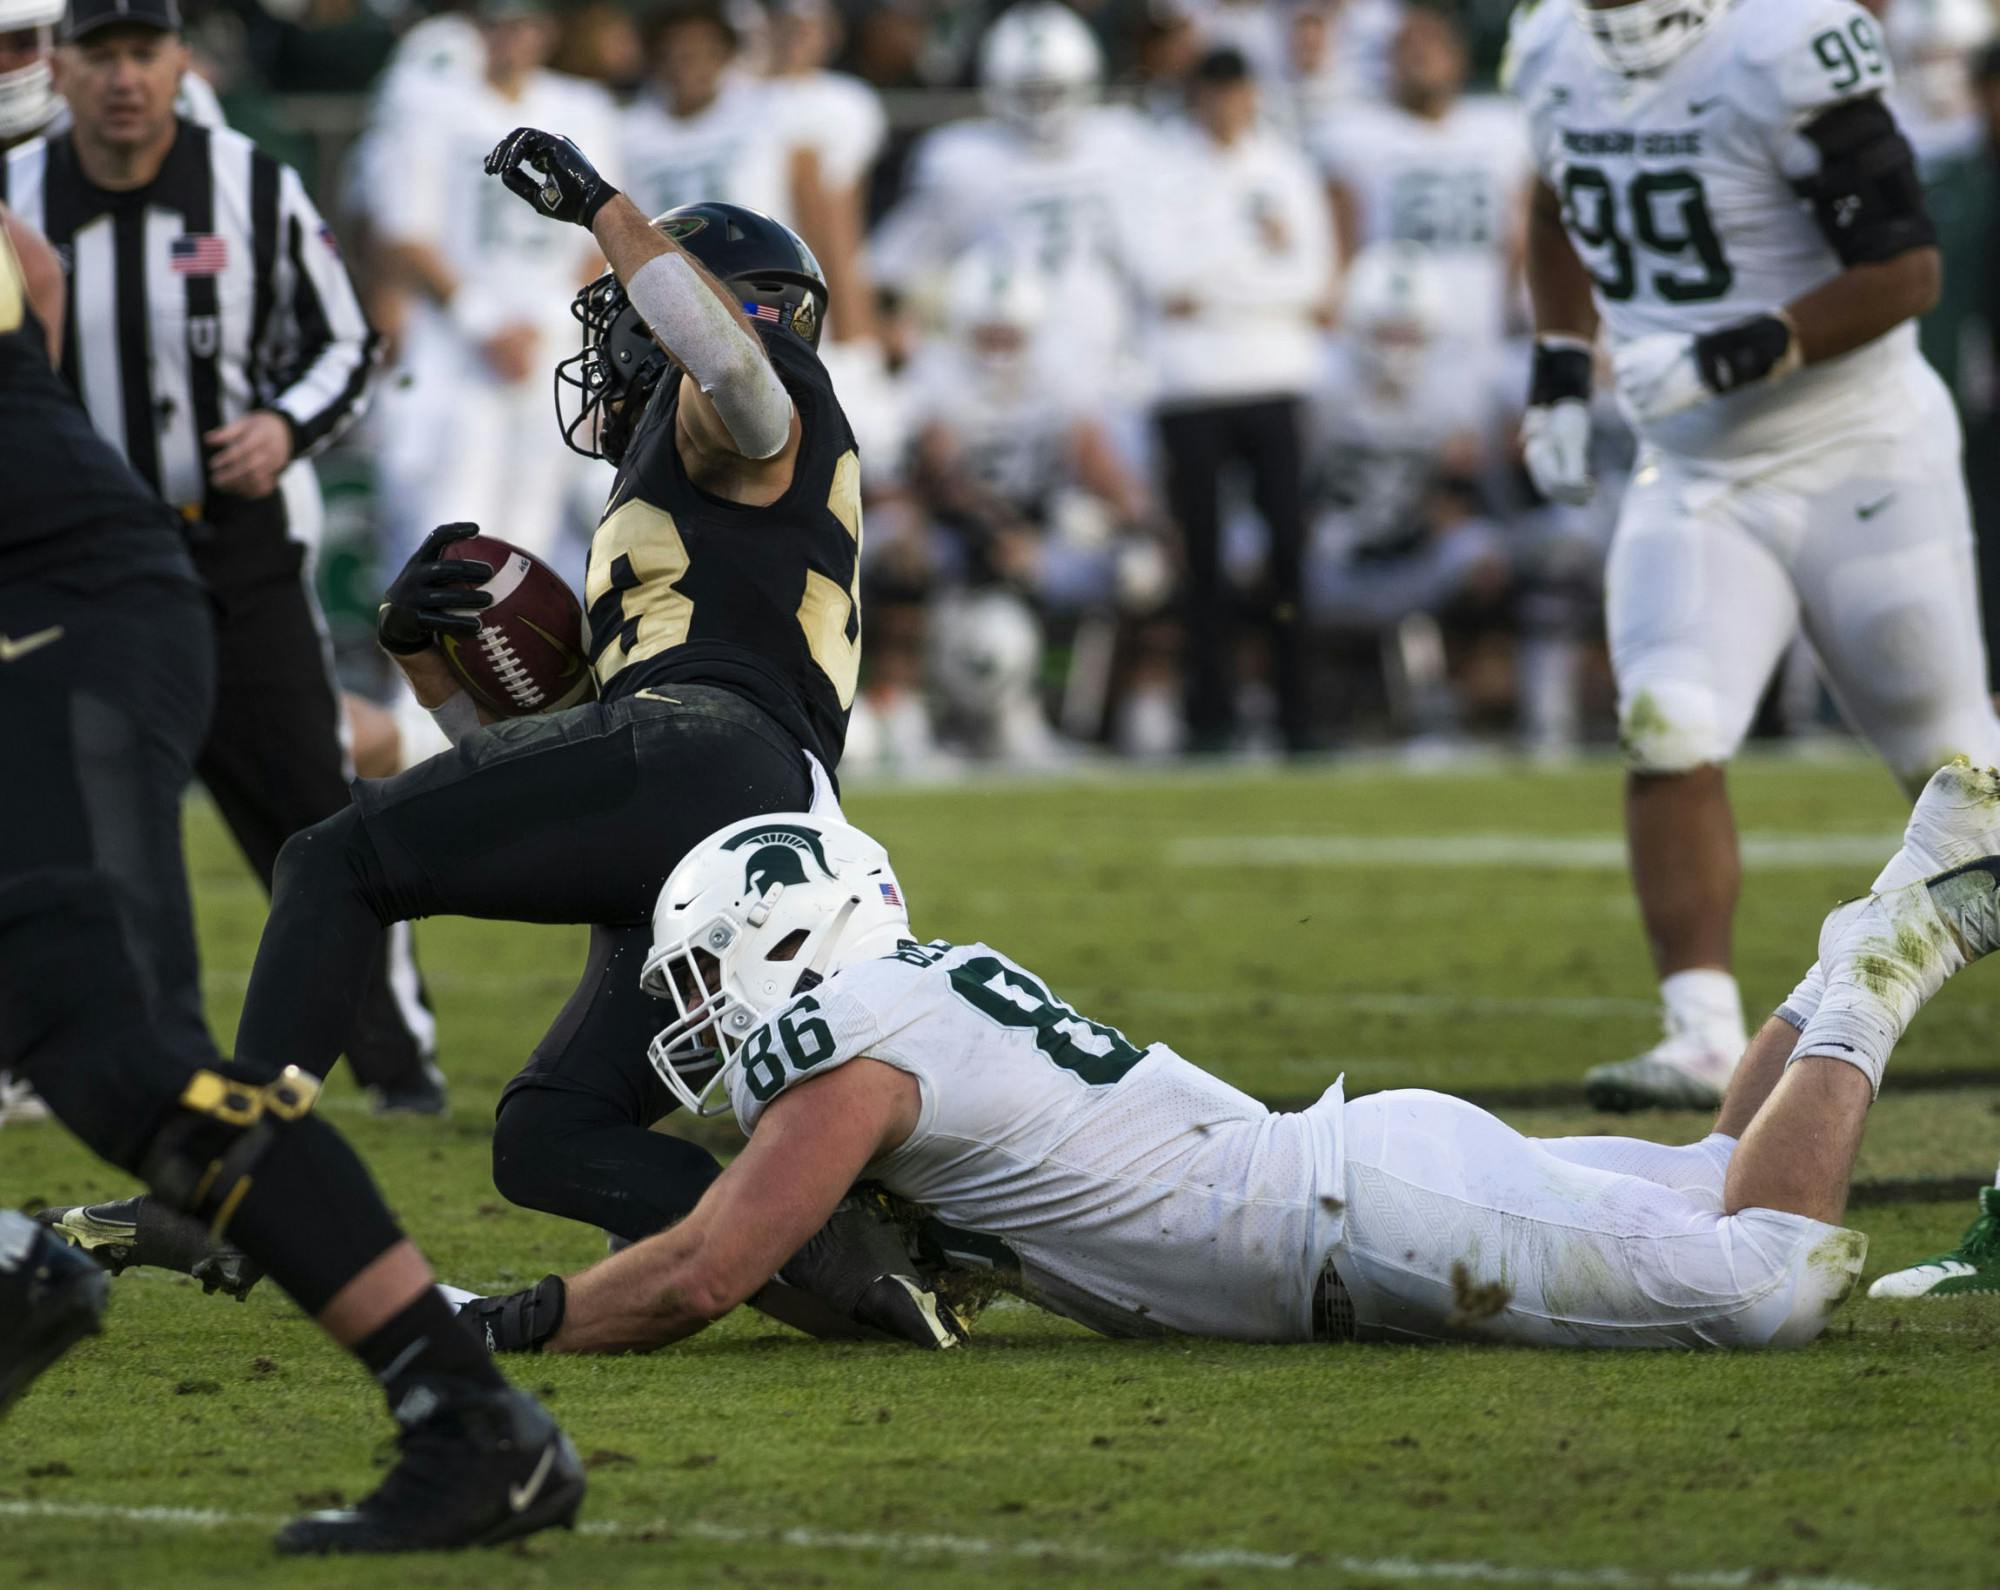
1726	197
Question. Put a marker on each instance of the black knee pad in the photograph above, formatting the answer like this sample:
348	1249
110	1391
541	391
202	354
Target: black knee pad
205	1154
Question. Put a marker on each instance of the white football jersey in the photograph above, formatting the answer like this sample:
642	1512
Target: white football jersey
1454	185
1122	1187
1014	435
1678	196
839	116
1078	212
518	264
737	150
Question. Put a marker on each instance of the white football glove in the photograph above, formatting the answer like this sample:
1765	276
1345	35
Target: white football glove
1658	376
1555	445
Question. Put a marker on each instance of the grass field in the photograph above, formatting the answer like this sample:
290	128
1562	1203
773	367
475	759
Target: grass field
1468	929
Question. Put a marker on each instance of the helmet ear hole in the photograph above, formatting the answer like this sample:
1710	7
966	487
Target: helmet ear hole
788	947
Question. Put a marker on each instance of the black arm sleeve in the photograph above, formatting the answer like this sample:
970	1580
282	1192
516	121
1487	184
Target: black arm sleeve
1866	194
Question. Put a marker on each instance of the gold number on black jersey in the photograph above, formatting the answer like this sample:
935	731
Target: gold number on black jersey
827	613
655	615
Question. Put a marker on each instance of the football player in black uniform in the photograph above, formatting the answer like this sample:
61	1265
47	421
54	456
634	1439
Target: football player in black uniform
106	677
725	638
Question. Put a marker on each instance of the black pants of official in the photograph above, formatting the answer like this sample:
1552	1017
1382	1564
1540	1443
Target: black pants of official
577	816
273	761
1198	446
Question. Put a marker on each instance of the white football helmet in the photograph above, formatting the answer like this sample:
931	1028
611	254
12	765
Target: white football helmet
756	913
26	98
1645	35
1039	65
994	302
1394	306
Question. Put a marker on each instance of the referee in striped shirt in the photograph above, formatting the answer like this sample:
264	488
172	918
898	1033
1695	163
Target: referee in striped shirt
215	338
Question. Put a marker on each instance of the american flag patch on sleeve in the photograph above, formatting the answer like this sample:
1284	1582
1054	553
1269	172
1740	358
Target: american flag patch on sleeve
198	254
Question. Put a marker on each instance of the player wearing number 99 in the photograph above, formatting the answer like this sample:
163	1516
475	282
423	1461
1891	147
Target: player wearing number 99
1725	194
724	637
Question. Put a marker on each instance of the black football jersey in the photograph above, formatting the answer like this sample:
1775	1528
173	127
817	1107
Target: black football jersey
66	496
765	601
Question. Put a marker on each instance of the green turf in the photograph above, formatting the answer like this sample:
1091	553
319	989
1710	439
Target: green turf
1043	1455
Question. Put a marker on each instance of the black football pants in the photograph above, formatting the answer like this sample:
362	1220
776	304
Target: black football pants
576	816
1198	445
274	763
104	696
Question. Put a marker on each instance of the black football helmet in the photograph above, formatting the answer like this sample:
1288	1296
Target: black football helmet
619	366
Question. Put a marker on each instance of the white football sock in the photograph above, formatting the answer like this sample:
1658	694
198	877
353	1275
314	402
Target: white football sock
1884	957
1707	1003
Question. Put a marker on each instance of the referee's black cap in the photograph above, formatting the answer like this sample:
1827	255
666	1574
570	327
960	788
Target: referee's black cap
86	17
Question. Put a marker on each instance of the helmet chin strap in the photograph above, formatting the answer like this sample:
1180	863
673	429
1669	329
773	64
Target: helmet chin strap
816	968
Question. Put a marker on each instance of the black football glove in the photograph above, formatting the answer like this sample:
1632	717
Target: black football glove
568	187
430	597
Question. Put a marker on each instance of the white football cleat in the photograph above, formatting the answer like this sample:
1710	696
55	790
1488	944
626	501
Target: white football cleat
19	1102
1972	1266
1685	1070
1955	820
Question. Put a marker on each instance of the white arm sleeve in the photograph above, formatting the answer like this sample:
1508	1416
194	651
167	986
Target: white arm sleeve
727	362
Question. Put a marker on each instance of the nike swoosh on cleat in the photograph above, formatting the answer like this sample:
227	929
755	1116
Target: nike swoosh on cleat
12	650
520	1496
1868	510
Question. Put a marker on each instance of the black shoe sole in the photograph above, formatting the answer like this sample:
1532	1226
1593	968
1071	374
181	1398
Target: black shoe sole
81	1315
556	1508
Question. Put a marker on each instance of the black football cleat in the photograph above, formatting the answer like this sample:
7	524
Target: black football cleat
145	1231
857	1269
422	1094
51	1297
478	1468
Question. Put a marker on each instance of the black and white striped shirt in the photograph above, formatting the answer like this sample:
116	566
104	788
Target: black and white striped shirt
214	290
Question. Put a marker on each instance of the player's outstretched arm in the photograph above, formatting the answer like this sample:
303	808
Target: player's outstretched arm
738	412
810	1145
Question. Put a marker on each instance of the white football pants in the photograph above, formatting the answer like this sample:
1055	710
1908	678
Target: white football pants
1458	1227
1867	544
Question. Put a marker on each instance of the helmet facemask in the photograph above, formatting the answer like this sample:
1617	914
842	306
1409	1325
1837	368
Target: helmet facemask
613	375
1645	35
737	934
27	93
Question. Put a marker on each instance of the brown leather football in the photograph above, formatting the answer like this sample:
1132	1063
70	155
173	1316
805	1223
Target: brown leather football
532	650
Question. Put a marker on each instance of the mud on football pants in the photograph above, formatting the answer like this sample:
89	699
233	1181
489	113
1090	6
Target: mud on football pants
1458	1227
577	817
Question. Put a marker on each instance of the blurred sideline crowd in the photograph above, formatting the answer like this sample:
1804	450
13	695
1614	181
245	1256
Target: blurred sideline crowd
1185	340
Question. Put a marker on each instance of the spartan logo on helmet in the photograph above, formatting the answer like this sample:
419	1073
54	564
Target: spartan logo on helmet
778	854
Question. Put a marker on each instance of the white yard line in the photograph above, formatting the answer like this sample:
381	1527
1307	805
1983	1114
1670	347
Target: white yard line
1078	1553
1545	852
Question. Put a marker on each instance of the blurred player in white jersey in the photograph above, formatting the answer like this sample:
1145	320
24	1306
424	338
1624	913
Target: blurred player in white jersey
1123	1186
1407	452
1430	166
1726	194
1040	516
465	436
1049	172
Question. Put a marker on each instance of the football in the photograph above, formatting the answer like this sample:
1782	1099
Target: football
531	653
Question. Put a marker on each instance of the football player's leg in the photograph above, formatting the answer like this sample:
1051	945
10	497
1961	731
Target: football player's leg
1519	1245
1699	612
275	763
1890	588
572	1135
